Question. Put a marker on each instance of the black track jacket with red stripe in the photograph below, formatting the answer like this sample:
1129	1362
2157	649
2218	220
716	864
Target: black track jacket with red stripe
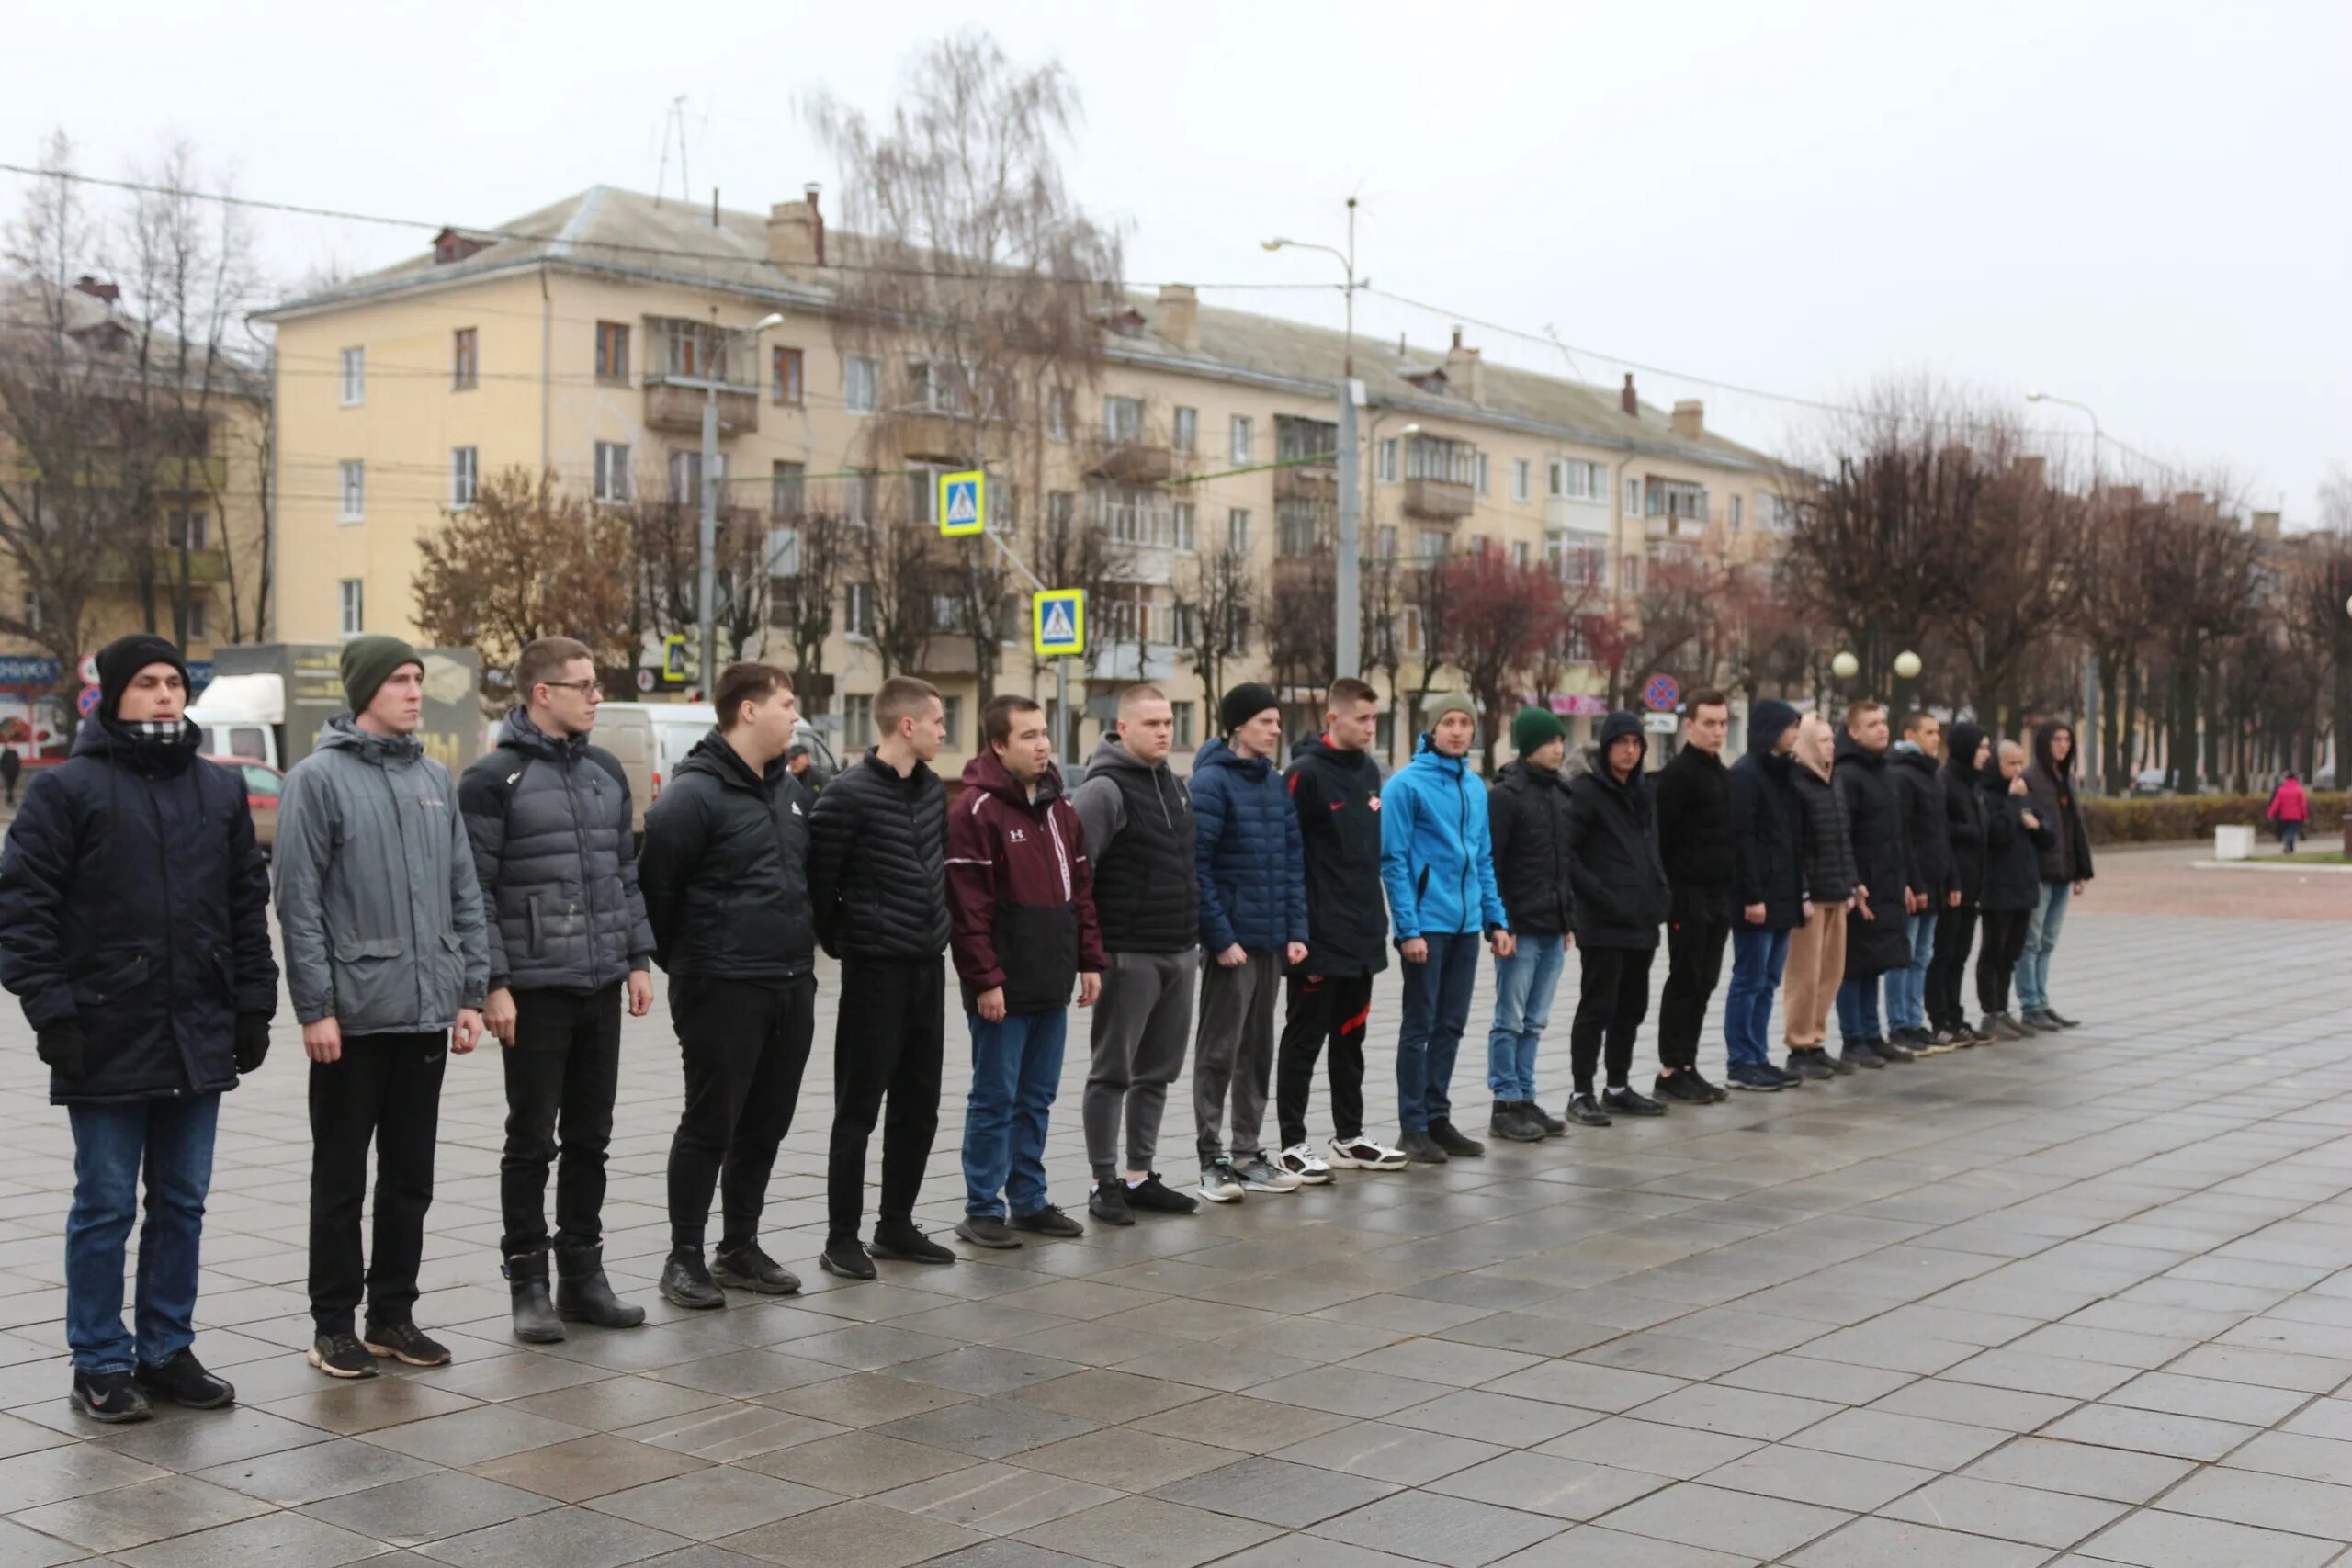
1338	796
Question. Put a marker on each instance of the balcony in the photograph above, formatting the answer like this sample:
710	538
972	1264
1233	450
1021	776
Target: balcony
1441	501
946	655
927	436
1133	661
668	407
203	566
1307	481
1129	462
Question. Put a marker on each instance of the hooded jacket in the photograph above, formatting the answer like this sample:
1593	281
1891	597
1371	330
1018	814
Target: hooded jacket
1964	812
878	862
2012	850
1247	854
1337	795
1621	888
2288	802
379	901
1020	890
1694	822
1829	873
2050	785
133	902
555	843
724	869
1527	816
1437	853
1768	823
1138	822
1880	838
1926	839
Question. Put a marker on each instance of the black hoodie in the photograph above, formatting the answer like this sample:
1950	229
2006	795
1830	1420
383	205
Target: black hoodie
1882	859
1526	816
1964	810
1620	882
1337	794
2012	850
1694	822
725	870
1927	839
2051	785
1767	824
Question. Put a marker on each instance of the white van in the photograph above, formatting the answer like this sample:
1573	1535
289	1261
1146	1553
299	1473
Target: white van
651	739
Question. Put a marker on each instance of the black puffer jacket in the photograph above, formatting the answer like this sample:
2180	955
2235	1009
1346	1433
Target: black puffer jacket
1927	840
2050	784
877	863
1621	893
554	842
1337	794
1830	873
1964	810
1694	820
725	869
1768	824
133	903
2012	850
1876	830
1527	817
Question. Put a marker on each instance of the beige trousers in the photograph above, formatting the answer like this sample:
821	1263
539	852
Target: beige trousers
1817	965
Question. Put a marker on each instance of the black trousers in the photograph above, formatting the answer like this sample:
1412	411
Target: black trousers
1337	1008
1955	933
561	1075
1997	964
1695	936
887	1040
745	1046
386	1088
1612	1000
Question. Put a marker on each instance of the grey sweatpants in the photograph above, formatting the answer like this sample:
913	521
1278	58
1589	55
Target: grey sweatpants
1141	1024
1235	1051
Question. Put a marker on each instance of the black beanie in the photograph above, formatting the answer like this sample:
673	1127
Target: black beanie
126	657
1243	704
368	662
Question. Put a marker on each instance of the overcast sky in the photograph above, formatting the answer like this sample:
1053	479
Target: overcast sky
2142	207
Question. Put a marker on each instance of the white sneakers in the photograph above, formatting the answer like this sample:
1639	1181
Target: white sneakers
1301	1161
1363	1153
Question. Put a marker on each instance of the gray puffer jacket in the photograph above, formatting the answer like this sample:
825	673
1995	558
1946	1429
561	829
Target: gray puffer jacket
377	902
550	820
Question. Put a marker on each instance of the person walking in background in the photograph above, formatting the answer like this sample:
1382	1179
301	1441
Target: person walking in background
135	928
1877	940
1437	860
1528	815
2065	869
877	886
2289	809
1621	900
1021	897
1767	884
387	960
1817	948
1253	925
554	842
1138	824
1967	752
1927	841
1335	788
1694	837
725	872
2015	837
12	767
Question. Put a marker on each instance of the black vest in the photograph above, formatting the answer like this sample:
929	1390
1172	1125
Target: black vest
1146	895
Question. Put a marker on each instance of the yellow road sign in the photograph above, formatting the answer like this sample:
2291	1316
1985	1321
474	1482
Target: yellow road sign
963	503
1057	619
673	660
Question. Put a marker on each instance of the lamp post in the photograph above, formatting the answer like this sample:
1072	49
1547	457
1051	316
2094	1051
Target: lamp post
706	529
2090	757
1349	573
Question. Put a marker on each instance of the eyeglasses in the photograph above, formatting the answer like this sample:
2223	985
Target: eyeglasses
585	688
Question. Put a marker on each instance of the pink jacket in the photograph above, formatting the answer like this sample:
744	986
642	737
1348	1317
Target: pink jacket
2288	803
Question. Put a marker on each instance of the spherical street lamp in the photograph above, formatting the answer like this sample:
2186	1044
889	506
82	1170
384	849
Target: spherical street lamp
1907	665
1845	666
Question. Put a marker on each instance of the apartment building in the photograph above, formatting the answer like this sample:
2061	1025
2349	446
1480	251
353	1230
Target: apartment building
1207	432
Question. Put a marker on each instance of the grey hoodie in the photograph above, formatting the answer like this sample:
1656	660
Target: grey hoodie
378	900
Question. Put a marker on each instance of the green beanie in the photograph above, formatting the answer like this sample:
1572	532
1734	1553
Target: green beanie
1534	727
368	662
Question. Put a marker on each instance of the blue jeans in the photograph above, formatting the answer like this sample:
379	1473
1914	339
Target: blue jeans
1858	1009
1523	985
1906	989
1016	1067
1437	1006
2041	929
2288	833
1757	956
174	1139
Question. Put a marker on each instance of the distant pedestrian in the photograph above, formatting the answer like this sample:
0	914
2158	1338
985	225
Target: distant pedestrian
12	767
1695	838
1621	900
1817	949
2290	807
1911	769
1968	755
1529	815
1768	871
134	927
2014	839
2065	869
1877	939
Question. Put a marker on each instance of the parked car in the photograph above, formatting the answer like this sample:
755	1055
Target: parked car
2148	781
264	785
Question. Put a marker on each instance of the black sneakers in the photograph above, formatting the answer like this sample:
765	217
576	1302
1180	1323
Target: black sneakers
747	1267
988	1231
1627	1100
902	1241
1891	1050
1689	1088
1048	1221
184	1381
846	1260
1758	1077
112	1397
1456	1144
1584	1111
340	1356
1813	1063
405	1343
1860	1054
1108	1202
1422	1149
2060	1019
686	1282
1154	1196
1514	1121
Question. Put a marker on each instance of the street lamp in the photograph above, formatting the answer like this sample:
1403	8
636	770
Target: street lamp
1349	648
1845	666
1907	665
706	530
2092	755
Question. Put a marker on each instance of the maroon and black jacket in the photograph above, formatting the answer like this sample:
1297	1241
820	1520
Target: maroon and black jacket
1019	889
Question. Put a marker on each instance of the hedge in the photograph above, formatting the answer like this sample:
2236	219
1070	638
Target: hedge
2165	818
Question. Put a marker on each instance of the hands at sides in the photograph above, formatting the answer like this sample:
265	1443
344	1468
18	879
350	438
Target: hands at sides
1297	953
1089	989
640	993
499	1014
1413	950
1503	944
1754	915
323	1040
1232	957
989	1004
469	1032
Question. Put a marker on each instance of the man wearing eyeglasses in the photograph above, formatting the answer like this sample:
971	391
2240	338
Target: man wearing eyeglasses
550	821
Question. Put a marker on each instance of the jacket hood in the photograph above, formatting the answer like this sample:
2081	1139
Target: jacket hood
2043	733
1910	756
1961	742
987	772
1320	746
1616	727
342	734
1427	755
1216	753
1767	722
517	731
713	755
1521	770
1111	753
1853	750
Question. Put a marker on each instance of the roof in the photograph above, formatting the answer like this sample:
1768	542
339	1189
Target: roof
616	232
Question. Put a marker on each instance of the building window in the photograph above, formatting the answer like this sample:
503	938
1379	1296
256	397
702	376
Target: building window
857	614
465	363
465	475
1184	525
1384	542
1432	544
1296	526
1573	478
1435	458
1413	630
1122	419
1185	727
1384	733
1633	497
353	619
784	376
1058	413
857	724
922	495
1478	469
1061	512
187	529
1677	501
785	489
612	470
1520	552
686	477
861	383
1237	531
1522	479
354	491
1244	439
191	611
1387	469
1188	430
611	352
951	719
355	377
1736	508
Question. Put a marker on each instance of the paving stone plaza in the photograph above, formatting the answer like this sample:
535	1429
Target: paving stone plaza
2086	1300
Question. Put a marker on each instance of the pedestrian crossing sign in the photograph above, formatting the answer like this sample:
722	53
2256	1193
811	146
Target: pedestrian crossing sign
963	503
673	660
1058	618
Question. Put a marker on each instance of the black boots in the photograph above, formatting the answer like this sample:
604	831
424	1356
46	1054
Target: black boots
583	1294
526	1282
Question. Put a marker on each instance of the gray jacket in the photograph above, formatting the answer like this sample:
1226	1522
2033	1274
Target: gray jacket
550	820
378	901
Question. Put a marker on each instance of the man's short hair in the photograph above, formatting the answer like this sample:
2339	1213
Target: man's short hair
1916	717
544	661
1136	695
996	720
1705	697
797	750
1348	689
749	682
901	696
1858	710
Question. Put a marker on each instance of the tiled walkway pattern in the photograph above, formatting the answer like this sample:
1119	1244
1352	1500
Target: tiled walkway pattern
2075	1302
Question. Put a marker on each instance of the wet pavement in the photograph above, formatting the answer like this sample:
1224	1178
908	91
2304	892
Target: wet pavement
2089	1295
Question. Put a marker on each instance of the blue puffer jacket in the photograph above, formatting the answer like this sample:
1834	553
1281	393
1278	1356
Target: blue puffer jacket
1436	854
1246	846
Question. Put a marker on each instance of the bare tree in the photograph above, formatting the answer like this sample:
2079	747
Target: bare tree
813	563
1213	595
1501	619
